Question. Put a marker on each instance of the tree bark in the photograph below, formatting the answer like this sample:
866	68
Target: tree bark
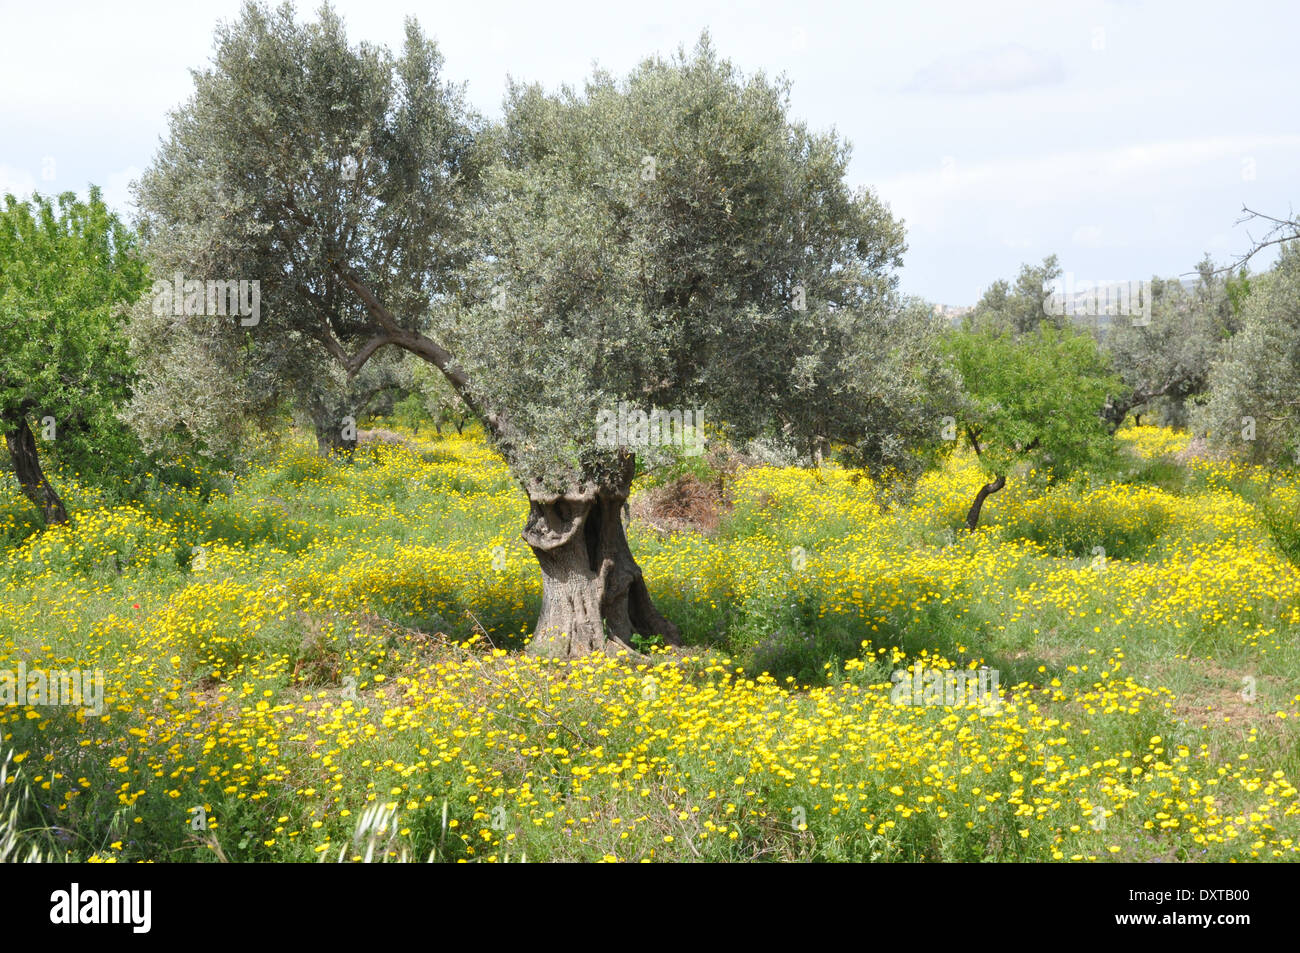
330	440
27	467
329	434
594	596
973	517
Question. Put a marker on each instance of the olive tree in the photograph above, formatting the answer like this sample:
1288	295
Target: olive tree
1018	308
333	179
1167	358
1253	408
675	241
671	242
332	401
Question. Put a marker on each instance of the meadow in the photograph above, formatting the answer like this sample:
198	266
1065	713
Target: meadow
322	660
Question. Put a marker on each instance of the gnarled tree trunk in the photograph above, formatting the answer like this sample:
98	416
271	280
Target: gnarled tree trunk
27	467
973	517
594	597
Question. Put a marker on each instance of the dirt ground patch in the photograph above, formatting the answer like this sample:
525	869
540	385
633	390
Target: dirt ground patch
380	435
688	504
1221	696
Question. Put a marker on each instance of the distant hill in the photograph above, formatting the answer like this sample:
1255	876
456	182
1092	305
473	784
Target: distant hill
1075	304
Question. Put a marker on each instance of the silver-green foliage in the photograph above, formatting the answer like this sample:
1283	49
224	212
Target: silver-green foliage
1254	404
312	167
676	240
673	239
1165	359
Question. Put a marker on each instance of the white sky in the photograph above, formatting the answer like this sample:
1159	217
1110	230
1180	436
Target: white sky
1122	136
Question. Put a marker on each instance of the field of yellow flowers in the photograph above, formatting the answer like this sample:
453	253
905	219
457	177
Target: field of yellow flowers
325	663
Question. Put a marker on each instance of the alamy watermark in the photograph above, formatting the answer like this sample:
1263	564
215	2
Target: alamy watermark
624	427
242	299
955	688
74	687
1095	298
128	907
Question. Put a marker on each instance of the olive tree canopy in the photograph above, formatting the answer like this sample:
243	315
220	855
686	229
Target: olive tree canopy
1167	357
1253	409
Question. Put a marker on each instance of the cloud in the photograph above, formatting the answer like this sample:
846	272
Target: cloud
1069	183
993	69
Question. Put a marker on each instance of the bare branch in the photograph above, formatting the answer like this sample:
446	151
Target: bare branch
1283	230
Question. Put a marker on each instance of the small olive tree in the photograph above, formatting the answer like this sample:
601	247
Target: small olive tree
1253	408
1018	308
1167	357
